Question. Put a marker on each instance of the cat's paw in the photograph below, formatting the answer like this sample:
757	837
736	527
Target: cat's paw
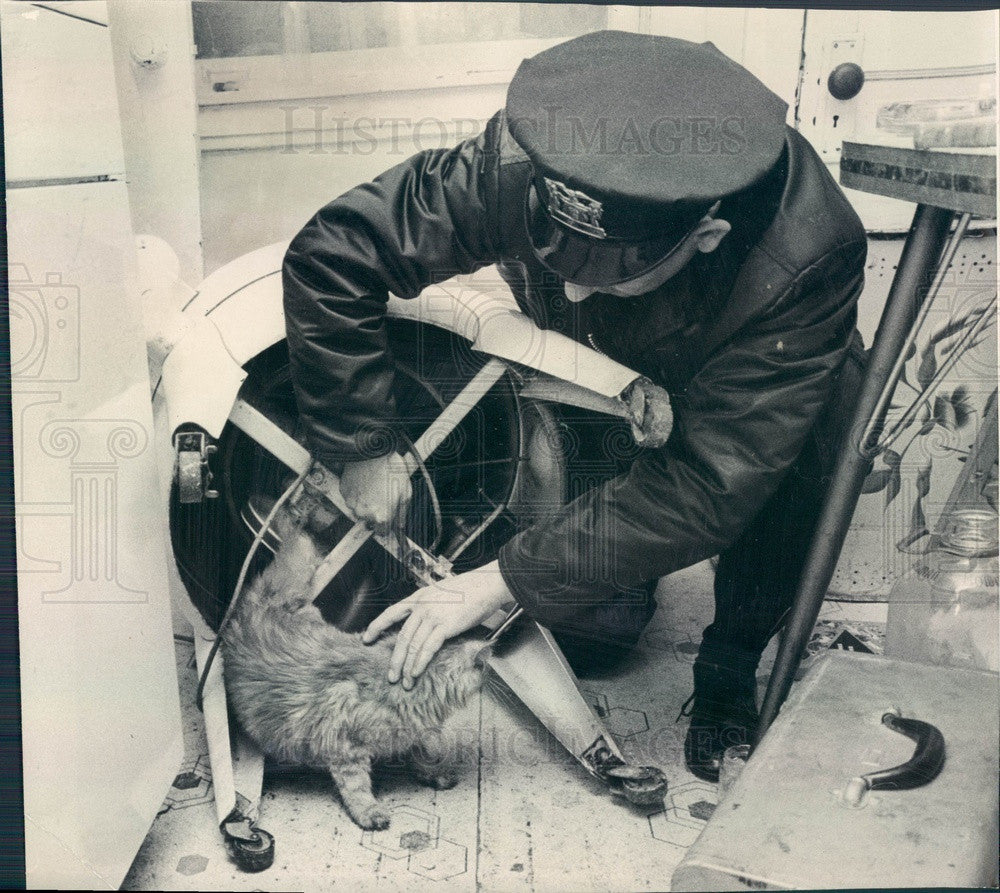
375	818
441	780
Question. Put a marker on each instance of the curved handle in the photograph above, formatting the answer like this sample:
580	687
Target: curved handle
922	768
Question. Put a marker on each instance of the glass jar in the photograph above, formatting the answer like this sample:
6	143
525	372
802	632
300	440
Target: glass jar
946	611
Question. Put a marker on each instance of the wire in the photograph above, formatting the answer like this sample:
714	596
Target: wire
259	536
512	482
238	590
432	491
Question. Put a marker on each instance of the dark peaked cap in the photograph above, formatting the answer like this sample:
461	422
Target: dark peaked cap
652	128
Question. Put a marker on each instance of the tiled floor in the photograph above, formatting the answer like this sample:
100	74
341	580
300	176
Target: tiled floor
523	816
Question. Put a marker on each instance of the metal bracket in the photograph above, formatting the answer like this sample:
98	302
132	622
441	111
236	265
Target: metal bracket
536	670
425	567
641	785
194	476
251	848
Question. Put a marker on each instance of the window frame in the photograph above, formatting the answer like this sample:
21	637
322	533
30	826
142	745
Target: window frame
298	76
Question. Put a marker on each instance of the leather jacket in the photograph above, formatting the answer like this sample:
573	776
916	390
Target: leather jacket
747	339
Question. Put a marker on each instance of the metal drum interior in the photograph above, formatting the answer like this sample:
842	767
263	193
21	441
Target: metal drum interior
474	474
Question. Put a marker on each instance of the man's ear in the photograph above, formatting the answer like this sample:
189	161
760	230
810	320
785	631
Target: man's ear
709	233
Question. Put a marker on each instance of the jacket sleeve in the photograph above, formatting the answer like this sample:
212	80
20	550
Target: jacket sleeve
738	427
423	221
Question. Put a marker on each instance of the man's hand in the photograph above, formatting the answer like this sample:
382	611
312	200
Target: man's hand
435	614
377	491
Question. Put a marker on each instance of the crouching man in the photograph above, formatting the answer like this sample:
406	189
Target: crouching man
643	195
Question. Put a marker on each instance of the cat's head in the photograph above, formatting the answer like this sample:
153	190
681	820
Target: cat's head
465	658
298	552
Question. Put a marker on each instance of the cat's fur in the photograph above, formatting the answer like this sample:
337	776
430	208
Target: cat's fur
311	695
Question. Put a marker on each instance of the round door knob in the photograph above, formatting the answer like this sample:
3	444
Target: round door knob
846	80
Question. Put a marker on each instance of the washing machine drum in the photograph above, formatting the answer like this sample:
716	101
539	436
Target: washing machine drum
471	473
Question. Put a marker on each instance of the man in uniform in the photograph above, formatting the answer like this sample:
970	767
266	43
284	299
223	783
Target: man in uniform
643	195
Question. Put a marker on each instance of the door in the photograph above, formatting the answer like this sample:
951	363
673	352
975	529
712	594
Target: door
100	715
903	57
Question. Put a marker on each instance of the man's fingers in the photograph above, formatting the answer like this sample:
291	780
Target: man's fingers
432	645
406	635
428	629
414	646
392	614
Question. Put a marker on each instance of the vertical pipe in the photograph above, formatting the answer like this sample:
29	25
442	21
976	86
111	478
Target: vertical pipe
152	46
216	718
924	244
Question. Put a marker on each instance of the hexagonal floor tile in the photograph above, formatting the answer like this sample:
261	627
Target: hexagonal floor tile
688	808
191	787
446	860
657	639
682	798
702	810
415	841
691	791
670	832
686	650
410	830
624	722
678	643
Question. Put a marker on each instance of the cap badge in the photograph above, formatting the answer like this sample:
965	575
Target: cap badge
575	209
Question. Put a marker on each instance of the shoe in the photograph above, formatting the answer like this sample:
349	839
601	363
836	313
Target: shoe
714	728
723	713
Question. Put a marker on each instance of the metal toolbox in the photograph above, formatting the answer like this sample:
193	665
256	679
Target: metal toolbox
788	821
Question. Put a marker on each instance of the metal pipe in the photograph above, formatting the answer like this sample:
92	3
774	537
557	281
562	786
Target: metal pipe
909	290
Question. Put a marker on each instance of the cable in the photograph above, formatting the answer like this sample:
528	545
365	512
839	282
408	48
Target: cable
238	590
432	491
511	483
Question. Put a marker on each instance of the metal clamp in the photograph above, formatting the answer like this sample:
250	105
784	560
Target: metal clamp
194	476
641	785
512	617
251	848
